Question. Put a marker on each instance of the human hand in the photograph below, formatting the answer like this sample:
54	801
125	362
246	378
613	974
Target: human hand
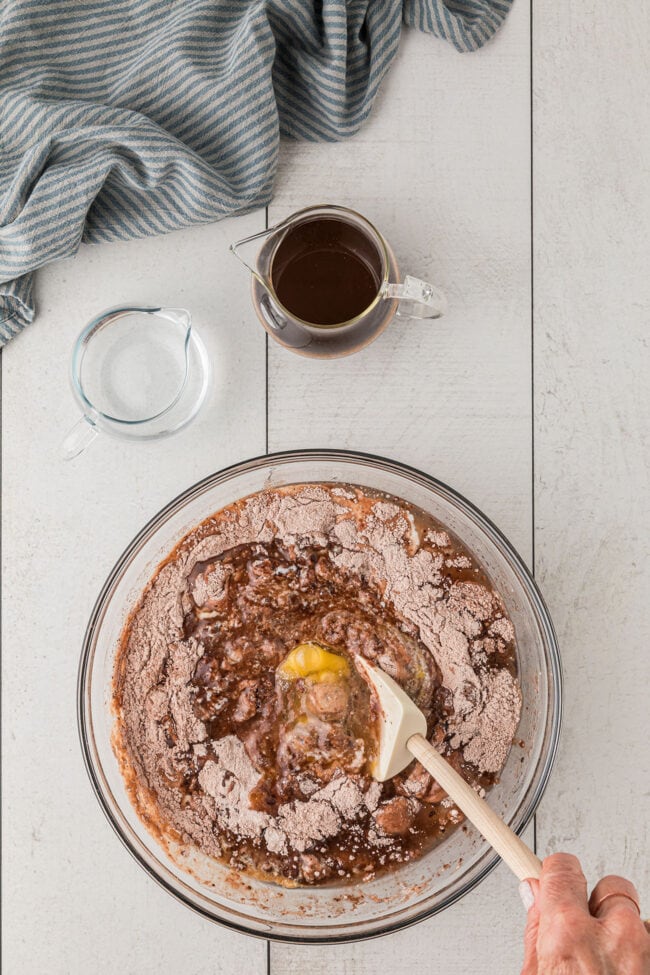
566	934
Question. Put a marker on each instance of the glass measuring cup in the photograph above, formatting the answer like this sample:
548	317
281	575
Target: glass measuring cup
357	241
137	374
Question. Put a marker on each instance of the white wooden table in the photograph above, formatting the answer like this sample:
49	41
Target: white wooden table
532	402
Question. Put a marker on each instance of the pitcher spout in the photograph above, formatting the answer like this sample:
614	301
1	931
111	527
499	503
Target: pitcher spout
247	252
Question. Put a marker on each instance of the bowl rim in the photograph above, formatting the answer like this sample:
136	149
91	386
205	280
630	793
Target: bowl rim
495	535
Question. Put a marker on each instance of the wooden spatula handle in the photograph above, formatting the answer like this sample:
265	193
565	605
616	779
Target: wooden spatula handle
521	860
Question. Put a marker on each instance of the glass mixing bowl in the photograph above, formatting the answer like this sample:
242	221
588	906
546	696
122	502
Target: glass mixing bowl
413	891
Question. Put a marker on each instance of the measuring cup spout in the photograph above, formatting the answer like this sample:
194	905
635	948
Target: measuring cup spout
180	316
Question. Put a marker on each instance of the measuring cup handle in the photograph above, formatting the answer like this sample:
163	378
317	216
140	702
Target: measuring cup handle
417	299
80	436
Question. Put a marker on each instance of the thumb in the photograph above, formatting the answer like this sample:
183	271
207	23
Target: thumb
529	966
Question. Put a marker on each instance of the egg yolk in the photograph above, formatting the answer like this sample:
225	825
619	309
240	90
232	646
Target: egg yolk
314	663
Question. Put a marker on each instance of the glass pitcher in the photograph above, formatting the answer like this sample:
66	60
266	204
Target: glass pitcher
325	282
137	374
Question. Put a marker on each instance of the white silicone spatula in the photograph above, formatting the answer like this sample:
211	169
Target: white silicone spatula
402	738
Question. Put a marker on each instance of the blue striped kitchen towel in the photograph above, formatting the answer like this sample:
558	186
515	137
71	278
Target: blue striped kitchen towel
125	118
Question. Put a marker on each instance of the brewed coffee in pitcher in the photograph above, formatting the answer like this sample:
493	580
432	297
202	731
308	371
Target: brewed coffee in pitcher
326	283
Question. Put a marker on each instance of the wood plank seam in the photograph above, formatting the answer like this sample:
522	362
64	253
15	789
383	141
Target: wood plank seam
532	334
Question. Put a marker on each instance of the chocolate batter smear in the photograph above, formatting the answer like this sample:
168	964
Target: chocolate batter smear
274	776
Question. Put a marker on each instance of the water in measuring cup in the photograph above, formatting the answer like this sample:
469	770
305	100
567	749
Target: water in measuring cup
135	368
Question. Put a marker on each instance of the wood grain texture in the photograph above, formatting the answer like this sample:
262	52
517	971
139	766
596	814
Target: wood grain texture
592	409
443	169
74	901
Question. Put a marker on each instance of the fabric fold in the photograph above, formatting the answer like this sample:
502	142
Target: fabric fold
138	117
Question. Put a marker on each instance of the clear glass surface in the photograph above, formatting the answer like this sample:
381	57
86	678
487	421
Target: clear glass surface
412	299
137	374
413	891
134	367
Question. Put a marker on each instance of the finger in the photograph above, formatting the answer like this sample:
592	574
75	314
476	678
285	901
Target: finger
562	885
529	966
612	894
526	894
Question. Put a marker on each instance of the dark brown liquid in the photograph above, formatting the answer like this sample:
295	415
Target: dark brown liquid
326	271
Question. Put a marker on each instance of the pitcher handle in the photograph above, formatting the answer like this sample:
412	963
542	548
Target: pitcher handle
80	436
417	299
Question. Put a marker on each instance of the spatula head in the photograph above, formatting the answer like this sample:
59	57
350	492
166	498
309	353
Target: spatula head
399	719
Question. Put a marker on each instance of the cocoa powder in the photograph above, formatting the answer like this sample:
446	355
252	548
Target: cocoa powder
377	541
